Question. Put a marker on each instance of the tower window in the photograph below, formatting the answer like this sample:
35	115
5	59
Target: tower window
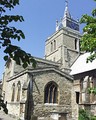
54	44
76	44
51	93
51	46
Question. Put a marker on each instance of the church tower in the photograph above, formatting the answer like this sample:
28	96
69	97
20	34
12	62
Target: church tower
63	45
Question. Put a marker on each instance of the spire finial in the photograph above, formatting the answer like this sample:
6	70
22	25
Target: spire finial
66	3
66	13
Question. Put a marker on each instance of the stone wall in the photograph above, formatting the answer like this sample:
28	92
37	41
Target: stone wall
39	108
66	50
0	87
75	106
40	79
14	106
42	109
82	82
14	109
91	108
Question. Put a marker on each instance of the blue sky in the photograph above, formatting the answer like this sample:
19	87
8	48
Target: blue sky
40	20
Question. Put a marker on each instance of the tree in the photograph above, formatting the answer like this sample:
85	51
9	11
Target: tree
88	41
3	105
9	33
85	115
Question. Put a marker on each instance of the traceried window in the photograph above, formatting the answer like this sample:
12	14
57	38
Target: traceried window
51	93
13	92
18	90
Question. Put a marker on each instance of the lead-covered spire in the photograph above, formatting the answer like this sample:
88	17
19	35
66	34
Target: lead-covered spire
67	21
66	12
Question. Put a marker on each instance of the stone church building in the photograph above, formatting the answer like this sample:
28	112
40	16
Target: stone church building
55	89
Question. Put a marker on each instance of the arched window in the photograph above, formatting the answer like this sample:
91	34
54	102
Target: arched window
54	44
76	44
13	92
51	46
18	90
94	81
81	83
51	93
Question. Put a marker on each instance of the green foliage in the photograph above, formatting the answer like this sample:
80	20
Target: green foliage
84	115
92	90
93	118
3	105
88	41
9	33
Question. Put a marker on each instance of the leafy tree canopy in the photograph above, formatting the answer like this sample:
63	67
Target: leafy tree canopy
3	105
9	33
88	41
85	115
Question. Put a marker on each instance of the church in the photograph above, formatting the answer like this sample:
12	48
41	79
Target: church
58	87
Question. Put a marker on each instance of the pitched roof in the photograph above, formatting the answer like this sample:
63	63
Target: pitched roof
42	70
81	65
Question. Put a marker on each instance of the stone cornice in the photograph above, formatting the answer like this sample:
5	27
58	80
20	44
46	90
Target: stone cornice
47	61
66	31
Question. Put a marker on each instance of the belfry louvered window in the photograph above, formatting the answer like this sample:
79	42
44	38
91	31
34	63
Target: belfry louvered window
54	44
51	46
51	93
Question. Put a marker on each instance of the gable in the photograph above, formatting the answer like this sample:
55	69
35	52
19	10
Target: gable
42	71
51	69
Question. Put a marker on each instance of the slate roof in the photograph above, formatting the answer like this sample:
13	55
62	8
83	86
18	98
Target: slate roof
80	65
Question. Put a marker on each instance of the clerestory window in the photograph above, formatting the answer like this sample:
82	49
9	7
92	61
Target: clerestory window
51	93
